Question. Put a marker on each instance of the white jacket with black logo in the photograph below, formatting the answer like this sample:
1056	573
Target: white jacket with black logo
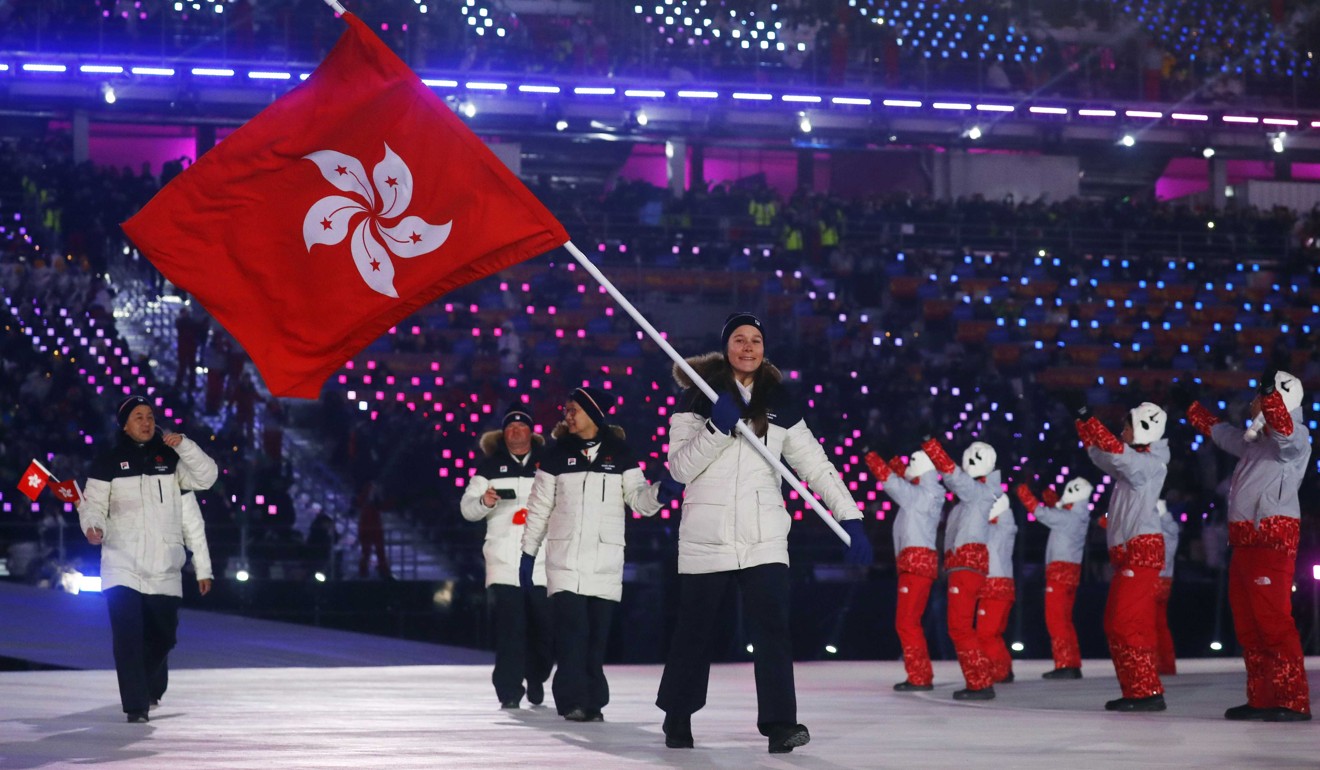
504	527
576	509
136	495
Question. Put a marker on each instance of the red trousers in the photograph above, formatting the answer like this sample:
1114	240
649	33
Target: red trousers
1260	595
1166	660
1130	629
964	589
913	593
991	623
1061	578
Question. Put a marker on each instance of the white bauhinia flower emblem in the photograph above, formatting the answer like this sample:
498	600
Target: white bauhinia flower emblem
374	213
34	481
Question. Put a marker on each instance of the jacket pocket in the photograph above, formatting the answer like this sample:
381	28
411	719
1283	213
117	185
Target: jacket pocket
704	523
772	516
609	557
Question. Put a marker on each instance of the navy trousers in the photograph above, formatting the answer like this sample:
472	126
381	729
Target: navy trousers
143	627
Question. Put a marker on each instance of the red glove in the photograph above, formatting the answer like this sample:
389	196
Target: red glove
877	466
897	466
1276	413
943	463
1102	438
1204	421
1050	497
1029	500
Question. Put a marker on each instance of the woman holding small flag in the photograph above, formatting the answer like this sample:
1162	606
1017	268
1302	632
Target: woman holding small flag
138	507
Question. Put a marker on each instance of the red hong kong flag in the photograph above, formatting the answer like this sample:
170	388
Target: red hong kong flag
66	491
336	212
33	480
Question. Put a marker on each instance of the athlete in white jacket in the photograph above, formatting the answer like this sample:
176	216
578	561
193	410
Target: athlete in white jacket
497	493
734	531
576	510
136	506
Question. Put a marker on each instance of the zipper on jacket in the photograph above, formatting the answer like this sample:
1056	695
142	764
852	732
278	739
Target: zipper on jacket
160	490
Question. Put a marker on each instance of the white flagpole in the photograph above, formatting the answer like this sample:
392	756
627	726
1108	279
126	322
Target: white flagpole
706	389
339	9
45	470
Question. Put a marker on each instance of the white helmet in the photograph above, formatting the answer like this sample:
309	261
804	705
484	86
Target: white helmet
979	459
1147	423
1290	388
919	464
1077	490
1001	505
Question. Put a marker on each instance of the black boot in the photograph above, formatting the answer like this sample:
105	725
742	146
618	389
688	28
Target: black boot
1153	703
985	693
1008	679
784	738
138	716
906	686
1287	715
678	731
1063	673
1246	712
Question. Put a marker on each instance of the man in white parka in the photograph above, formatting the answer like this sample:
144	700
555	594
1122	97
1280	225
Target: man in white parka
497	494
734	530
137	507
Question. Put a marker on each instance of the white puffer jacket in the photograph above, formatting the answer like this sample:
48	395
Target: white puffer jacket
504	528
576	508
734	515
135	494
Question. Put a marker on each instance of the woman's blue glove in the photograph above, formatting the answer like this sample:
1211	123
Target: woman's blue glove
669	490
525	568
726	413
859	553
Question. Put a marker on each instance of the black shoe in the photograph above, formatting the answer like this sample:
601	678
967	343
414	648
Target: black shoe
138	716
535	693
511	704
1153	703
579	715
785	738
1287	715
1007	680
155	704
678	731
906	686
1063	673
595	715
1246	712
985	693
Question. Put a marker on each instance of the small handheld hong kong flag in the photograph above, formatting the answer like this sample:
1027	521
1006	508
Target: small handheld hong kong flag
34	480
66	491
340	209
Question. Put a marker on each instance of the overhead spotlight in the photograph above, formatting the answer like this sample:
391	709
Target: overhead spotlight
804	123
468	108
1208	153
1128	140
641	118
973	133
1277	141
108	93
561	125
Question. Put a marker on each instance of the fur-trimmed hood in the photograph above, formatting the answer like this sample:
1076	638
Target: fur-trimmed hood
715	370
492	441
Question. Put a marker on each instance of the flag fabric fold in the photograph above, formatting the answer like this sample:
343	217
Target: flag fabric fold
33	480
339	210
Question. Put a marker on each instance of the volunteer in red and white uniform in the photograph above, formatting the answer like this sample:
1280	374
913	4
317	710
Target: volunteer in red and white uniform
1068	517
